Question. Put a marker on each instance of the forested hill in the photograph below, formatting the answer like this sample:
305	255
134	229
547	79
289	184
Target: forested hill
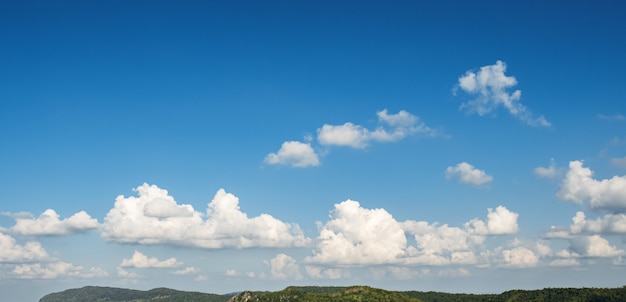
327	294
111	294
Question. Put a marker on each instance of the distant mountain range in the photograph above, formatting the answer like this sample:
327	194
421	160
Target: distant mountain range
328	294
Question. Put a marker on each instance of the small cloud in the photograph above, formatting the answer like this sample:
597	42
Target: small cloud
284	267
550	172
49	224
231	273
491	85
186	271
294	153
500	221
139	260
594	246
467	174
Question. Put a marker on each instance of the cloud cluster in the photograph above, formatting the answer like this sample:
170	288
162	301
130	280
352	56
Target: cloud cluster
490	85
549	172
48	223
467	174
358	236
154	217
391	128
579	186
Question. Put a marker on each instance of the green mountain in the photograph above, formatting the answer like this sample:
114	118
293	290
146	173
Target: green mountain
339	294
111	294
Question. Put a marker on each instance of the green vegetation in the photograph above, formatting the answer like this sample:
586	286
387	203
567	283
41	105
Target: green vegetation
340	294
110	294
325	294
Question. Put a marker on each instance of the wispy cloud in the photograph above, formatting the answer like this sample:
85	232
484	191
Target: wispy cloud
491	87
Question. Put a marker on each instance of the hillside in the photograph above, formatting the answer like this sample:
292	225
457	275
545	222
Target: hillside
111	294
327	294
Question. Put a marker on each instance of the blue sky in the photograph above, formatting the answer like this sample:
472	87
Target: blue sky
233	145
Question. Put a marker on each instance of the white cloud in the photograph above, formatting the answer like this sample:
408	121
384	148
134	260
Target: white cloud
551	172
499	222
358	236
187	271
619	162
520	257
490	84
11	251
126	274
594	246
55	270
139	260
284	267
48	223
131	221
605	194
393	127
231	273
607	224
294	153
467	174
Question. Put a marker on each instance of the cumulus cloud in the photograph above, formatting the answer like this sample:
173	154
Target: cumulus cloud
55	270
355	235
145	220
359	236
284	267
490	86
607	224
594	246
500	221
12	252
519	257
139	260
393	127
606	194
295	154
48	223
467	174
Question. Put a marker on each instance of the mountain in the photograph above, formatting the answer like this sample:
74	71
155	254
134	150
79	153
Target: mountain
111	294
339	294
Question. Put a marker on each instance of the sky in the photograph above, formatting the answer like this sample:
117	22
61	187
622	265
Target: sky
219	146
